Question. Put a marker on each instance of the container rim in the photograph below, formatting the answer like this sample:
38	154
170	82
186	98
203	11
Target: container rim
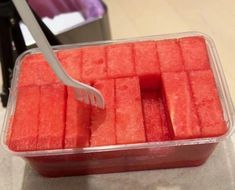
225	97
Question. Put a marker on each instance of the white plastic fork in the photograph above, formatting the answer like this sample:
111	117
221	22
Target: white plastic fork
84	92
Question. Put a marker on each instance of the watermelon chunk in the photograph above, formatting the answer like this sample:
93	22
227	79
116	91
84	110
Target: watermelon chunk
103	121
170	56
52	117
208	103
77	133
46	75
25	123
165	121
153	120
94	65
194	53
120	60
211	117
29	74
182	111
129	117
147	64
71	62
36	71
203	86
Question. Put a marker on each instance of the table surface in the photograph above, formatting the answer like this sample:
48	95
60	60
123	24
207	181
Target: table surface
141	18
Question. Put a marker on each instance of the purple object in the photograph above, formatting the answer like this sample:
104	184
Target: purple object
50	8
92	8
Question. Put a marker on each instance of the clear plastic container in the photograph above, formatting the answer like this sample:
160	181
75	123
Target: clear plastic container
117	158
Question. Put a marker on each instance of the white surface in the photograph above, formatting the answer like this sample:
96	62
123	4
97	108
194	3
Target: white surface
139	18
57	25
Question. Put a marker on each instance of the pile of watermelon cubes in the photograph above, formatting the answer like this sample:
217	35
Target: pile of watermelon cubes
154	91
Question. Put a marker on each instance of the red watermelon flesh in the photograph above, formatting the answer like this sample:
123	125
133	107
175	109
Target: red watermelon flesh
208	103
152	116
36	71
182	112
194	53
71	62
35	57
25	123
94	64
211	117
129	117
29	74
103	121
191	97
147	64
203	86
165	122
52	117
120	60
46	74
77	133
170	57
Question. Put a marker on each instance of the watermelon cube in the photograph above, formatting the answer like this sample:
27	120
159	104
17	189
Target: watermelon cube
147	64
103	121
26	119
71	62
208	103
194	52
167	133
46	74
94	64
153	119
52	117
211	118
36	71
120	60
29	74
77	133
129	116
170	57
180	106
203	86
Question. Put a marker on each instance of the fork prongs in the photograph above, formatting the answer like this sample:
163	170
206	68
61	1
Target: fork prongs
92	97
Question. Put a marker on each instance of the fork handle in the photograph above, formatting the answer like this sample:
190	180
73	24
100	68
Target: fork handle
42	42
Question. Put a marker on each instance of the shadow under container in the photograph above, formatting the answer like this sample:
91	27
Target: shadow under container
130	157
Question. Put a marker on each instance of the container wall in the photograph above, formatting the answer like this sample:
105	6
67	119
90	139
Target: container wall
120	161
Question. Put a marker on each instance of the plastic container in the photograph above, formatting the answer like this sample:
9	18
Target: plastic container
117	158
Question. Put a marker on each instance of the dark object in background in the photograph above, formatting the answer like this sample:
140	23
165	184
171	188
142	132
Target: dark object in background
12	43
95	28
